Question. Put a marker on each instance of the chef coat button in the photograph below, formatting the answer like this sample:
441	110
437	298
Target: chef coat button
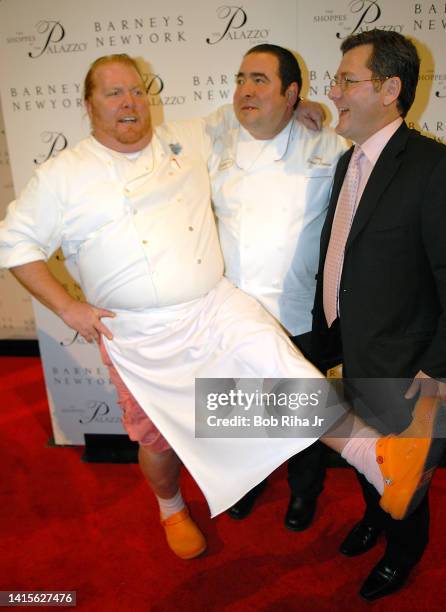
199	261
144	242
135	212
191	229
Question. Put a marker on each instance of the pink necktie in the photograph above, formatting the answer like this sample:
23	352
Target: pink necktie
340	230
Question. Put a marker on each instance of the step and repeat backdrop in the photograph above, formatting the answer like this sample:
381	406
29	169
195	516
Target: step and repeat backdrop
16	314
189	51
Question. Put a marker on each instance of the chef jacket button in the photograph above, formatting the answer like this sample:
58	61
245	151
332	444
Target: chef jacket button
199	261
144	242
135	212
191	229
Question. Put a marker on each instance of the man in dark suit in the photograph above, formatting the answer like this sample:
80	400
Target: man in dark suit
380	304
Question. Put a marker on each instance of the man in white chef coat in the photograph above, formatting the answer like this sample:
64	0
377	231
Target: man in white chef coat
130	208
271	178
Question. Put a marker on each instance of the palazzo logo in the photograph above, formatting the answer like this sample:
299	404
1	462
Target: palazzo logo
366	15
438	81
99	412
154	86
234	19
51	33
55	141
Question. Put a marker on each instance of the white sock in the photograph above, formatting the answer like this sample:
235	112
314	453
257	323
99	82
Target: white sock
360	452
170	506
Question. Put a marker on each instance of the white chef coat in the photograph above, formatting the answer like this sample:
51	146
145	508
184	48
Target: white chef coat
270	198
139	235
135	233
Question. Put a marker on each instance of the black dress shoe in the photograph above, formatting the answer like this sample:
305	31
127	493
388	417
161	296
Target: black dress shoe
384	579
243	507
300	513
360	539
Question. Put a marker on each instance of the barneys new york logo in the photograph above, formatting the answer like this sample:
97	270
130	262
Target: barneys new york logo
51	34
234	19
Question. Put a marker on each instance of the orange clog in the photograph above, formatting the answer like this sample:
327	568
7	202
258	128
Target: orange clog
183	536
408	461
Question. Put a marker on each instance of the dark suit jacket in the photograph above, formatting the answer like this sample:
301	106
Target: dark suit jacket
393	285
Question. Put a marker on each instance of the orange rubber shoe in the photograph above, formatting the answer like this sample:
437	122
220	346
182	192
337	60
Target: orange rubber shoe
408	461
183	536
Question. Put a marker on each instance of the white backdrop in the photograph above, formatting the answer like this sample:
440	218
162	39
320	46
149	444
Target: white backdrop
16	314
190	50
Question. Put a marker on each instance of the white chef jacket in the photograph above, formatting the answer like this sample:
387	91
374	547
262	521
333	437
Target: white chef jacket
135	233
270	198
139	235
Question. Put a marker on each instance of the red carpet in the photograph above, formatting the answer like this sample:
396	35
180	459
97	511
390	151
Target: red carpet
68	525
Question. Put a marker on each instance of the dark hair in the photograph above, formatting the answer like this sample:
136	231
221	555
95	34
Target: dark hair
392	55
115	58
289	69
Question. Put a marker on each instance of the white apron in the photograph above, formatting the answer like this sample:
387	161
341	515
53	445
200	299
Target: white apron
159	353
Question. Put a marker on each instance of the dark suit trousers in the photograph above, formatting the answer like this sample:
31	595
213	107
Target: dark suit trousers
407	539
306	470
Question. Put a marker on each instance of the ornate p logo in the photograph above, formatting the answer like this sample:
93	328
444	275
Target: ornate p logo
235	18
368	10
56	142
53	31
98	409
154	84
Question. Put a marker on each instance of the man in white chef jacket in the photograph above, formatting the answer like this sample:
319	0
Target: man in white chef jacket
271	178
130	208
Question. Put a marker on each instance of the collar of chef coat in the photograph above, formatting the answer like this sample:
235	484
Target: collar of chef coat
133	173
249	151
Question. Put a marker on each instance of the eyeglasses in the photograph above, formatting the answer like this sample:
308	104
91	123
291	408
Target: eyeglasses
345	82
